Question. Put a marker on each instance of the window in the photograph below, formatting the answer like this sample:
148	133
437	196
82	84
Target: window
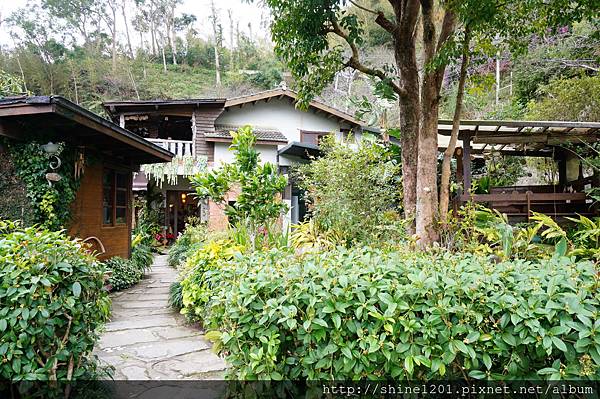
312	137
115	189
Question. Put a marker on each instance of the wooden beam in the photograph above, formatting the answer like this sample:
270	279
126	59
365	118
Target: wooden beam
522	197
26	109
467	164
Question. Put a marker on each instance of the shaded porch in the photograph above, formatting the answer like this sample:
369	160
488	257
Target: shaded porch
555	140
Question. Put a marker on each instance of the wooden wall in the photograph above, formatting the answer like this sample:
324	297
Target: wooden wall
87	216
204	121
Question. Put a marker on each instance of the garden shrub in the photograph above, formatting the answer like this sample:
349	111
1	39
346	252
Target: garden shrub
176	295
354	192
125	273
189	240
195	292
141	256
52	303
369	314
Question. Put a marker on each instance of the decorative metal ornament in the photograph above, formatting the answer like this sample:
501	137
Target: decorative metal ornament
53	177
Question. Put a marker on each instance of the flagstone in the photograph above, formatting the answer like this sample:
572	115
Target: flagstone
146	340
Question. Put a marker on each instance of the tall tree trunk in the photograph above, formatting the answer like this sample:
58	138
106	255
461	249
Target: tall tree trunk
410	105
215	25
217	66
123	4
171	33
152	35
427	193
114	36
449	152
231	44
164	58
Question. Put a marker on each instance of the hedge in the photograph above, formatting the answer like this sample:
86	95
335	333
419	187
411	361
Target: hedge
366	314
52	304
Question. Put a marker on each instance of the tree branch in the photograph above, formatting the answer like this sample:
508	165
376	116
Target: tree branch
448	25
448	28
385	23
363	7
381	19
354	61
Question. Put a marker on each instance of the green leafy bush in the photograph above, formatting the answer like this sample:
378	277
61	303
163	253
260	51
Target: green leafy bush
189	240
124	273
364	313
52	303
195	291
354	192
141	256
176	295
258	203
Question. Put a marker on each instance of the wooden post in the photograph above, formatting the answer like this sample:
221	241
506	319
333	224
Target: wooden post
467	164
562	169
458	153
176	216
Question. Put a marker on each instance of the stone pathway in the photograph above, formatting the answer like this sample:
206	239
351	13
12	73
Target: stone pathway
147	340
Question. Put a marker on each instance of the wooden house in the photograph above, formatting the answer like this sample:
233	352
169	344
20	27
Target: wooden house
108	154
201	128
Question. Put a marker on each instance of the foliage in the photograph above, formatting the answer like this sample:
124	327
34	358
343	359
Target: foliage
141	256
561	55
354	192
581	240
483	231
310	236
258	202
188	241
176	295
51	202
195	291
367	314
124	273
10	85
149	217
499	171
52	304
576	99
14	204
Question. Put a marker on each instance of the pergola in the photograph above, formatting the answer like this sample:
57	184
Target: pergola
551	139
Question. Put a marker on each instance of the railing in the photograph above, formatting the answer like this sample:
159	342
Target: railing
178	147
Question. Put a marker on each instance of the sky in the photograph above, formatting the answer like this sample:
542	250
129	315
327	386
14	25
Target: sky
242	11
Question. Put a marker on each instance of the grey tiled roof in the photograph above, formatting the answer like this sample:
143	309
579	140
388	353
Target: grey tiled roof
262	133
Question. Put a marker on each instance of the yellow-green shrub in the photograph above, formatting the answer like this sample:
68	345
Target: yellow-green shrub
194	290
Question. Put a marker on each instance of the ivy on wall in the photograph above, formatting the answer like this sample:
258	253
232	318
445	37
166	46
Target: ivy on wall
14	204
51	204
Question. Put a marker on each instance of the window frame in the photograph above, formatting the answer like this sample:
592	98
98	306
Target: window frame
315	136
114	189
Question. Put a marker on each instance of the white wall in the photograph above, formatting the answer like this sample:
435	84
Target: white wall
281	115
268	153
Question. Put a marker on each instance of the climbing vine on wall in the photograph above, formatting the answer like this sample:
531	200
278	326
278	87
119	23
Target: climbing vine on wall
51	204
